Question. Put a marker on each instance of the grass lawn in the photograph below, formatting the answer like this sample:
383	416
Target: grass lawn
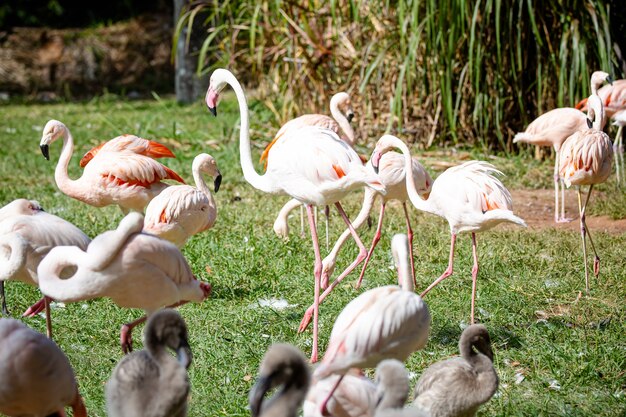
555	354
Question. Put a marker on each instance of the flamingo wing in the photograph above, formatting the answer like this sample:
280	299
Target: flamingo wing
127	168
553	127
586	158
129	143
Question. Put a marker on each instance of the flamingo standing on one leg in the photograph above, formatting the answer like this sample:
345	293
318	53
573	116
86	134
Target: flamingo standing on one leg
586	160
389	322
468	196
27	234
125	178
311	165
341	110
181	211
134	269
37	379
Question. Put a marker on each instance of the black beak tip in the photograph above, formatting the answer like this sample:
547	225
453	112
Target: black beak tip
217	183
375	168
589	123
350	117
213	111
609	80
45	151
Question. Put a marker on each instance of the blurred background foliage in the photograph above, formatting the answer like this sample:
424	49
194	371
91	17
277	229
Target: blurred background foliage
434	71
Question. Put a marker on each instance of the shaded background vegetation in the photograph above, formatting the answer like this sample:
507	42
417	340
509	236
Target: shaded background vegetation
448	71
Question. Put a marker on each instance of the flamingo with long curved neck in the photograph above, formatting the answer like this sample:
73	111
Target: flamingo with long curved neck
311	165
468	196
125	178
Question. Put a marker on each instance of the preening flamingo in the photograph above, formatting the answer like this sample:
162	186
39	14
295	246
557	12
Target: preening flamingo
355	397
392	380
152	382
283	366
468	196
181	211
389	322
311	165
341	110
134	269
130	143
37	379
458	386
586	159
125	178
27	234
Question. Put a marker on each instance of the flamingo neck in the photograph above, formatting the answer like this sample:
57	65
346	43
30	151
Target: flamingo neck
64	182
416	199
405	280
595	103
260	182
16	247
343	123
204	189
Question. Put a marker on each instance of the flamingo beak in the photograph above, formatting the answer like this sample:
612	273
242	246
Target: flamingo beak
609	79
45	151
211	100
589	123
350	116
217	182
257	393
183	354
376	160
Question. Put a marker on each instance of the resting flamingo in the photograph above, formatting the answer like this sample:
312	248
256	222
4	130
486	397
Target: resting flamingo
586	159
134	269
311	165
27	234
355	397
389	322
127	179
181	211
341	110
37	379
552	129
129	143
468	196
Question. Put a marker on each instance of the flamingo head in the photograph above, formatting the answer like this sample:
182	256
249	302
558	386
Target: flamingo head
51	132
219	79
384	145
598	78
168	329
207	164
344	105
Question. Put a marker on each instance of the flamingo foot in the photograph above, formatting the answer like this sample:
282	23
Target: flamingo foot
596	266
325	279
36	308
563	220
126	339
306	320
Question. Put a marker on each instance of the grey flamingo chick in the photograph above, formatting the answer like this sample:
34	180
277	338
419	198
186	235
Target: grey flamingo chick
283	366
458	386
151	382
392	380
37	379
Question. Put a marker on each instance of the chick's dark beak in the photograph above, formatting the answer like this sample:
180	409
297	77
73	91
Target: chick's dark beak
257	393
217	182
45	151
183	353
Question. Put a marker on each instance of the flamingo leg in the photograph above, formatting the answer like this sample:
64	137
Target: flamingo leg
556	188
374	243
36	308
306	320
48	318
5	312
619	155
582	234
474	276
318	278
448	270
596	260
324	408
409	233
327	214
302	220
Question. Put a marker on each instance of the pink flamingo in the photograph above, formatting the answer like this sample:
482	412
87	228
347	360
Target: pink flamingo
311	165
618	147
37	379
127	179
181	211
586	159
27	234
552	129
389	322
468	196
132	144
341	110
134	269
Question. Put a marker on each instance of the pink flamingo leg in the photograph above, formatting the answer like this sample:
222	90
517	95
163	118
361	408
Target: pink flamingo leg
374	243
324	408
306	320
474	276
36	308
448	270
317	271
48	318
409	233
5	312
585	233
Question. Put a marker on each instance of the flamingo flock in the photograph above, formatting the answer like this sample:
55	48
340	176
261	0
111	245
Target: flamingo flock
312	160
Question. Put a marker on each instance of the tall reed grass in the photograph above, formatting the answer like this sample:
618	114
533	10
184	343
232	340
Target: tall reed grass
435	71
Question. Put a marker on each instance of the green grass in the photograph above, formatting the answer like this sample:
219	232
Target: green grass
527	287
